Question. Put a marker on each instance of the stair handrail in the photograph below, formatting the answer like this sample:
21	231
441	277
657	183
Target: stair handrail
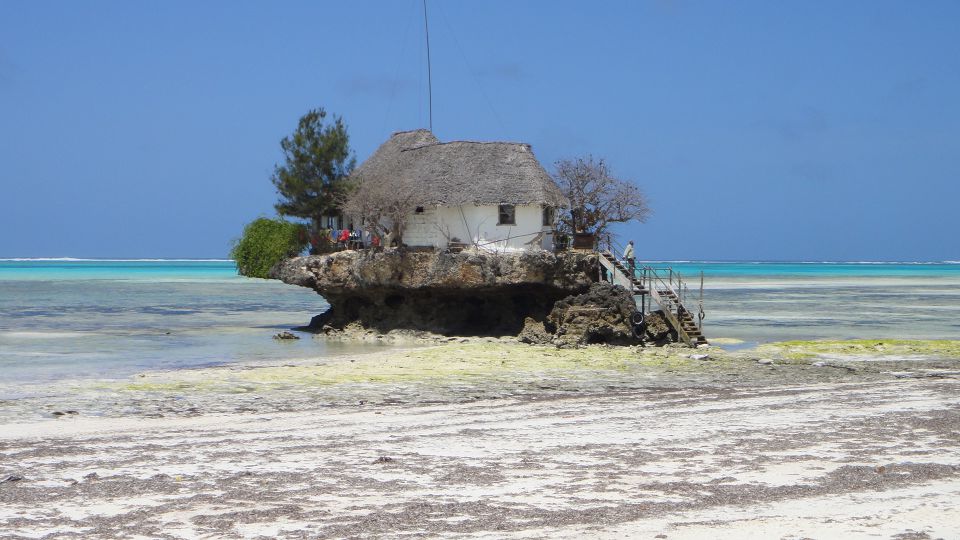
653	280
617	251
615	273
673	310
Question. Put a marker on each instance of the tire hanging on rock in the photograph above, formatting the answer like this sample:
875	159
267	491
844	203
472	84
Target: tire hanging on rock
639	324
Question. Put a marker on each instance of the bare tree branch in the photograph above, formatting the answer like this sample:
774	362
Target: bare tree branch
383	207
597	198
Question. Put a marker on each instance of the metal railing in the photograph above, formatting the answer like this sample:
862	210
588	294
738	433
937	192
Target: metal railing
665	286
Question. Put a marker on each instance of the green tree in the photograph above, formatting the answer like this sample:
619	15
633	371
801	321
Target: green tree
264	243
317	161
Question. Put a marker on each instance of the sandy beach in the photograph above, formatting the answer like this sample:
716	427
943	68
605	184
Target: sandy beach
827	441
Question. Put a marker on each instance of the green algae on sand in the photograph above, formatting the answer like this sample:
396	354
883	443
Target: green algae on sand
471	361
802	350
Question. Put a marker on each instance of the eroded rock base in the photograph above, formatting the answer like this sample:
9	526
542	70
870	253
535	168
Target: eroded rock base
605	314
601	315
539	297
480	312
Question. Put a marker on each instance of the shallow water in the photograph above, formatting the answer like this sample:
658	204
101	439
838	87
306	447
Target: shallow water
87	319
765	302
68	319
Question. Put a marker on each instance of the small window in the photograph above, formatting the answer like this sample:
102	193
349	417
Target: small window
507	215
332	222
549	216
419	210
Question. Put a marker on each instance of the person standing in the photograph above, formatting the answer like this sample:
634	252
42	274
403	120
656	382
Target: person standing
631	259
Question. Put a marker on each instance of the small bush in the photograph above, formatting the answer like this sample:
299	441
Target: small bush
264	243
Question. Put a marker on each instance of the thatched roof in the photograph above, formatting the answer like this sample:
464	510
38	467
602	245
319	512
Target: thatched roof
462	172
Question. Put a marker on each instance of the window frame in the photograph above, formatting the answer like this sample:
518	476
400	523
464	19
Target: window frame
507	209
549	217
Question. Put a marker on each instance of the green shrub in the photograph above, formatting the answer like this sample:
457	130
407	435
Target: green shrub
264	243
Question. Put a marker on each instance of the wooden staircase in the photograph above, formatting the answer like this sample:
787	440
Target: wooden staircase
621	275
661	291
679	317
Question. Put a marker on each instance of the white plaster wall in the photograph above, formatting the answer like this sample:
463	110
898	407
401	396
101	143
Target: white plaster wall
422	229
478	224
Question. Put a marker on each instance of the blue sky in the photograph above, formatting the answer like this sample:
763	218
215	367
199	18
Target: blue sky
760	130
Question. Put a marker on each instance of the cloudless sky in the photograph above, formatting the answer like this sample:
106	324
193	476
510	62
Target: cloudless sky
795	130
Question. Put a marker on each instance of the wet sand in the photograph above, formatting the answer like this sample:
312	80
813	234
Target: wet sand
596	443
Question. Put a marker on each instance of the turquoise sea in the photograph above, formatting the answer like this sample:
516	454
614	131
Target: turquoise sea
775	301
69	319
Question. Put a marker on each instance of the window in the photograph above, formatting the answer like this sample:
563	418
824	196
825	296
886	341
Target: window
419	210
507	215
549	216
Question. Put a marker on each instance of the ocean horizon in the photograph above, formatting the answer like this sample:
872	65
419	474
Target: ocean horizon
708	261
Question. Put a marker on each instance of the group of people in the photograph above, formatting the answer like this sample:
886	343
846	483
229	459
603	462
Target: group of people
350	238
353	239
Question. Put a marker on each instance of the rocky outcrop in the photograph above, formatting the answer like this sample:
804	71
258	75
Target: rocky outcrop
603	314
657	330
538	296
441	292
534	332
359	271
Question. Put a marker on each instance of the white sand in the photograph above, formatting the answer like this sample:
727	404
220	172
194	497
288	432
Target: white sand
850	460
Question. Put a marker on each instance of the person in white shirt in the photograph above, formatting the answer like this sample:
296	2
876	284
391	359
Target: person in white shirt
631	258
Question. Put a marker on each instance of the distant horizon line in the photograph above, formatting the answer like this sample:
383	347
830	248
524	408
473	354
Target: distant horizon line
678	261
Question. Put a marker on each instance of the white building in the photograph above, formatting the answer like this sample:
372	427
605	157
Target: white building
494	196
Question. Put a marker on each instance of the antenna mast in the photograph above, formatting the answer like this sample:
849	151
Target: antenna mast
429	74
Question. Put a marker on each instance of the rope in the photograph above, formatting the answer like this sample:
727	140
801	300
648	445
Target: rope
476	80
507	238
396	75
